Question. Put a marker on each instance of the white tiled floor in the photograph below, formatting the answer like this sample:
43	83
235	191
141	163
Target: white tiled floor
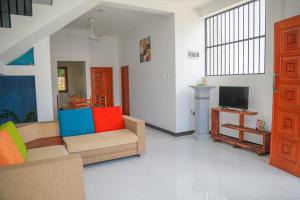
188	169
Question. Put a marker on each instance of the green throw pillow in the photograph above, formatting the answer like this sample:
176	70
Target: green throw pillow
18	140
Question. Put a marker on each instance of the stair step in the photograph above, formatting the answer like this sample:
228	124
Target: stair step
46	2
17	7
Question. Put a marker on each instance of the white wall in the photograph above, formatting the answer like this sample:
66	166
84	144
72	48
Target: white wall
172	113
214	7
102	53
42	73
170	101
261	91
152	84
290	8
188	29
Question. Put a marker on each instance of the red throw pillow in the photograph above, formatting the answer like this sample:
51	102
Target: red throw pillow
108	119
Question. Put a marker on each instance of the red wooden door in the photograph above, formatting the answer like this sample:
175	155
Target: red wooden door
125	90
102	86
285	144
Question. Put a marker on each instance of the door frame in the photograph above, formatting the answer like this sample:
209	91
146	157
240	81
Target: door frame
125	67
112	78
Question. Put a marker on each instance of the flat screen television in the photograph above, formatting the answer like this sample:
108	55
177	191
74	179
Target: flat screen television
234	97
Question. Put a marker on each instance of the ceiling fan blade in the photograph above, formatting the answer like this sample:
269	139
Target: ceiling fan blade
92	35
75	36
95	39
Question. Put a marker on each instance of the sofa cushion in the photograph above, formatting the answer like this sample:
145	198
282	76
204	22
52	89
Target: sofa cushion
46	153
82	143
76	122
119	137
9	152
16	137
108	119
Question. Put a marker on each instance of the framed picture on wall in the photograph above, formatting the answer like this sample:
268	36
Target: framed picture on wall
145	50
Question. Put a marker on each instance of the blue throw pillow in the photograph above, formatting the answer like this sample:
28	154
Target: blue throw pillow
76	122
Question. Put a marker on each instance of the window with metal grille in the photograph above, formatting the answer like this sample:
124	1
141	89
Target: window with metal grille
235	40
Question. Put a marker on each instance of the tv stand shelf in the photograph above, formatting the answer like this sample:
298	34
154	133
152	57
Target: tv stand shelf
239	142
240	112
245	129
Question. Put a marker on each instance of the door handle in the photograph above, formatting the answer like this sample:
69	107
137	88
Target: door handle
274	82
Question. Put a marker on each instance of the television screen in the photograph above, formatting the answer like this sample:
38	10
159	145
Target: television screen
234	97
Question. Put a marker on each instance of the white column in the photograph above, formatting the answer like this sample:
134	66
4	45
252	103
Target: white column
202	110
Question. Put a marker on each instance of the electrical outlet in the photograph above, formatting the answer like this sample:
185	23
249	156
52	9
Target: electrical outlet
193	112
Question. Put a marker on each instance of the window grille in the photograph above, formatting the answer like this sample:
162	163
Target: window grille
235	40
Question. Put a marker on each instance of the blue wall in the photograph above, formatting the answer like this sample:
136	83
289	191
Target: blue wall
25	59
18	99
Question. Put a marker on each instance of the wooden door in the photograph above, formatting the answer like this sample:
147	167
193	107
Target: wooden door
125	90
285	145
102	86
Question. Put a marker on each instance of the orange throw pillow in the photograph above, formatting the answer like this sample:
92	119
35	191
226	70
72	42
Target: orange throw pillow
9	153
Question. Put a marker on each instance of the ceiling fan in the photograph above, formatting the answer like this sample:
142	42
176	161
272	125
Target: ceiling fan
93	35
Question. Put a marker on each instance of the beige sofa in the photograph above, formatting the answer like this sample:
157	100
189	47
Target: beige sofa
95	148
56	172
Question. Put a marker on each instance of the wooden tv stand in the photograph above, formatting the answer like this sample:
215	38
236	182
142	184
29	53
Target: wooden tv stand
238	142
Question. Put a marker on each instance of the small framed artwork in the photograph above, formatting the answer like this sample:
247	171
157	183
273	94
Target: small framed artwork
260	125
145	50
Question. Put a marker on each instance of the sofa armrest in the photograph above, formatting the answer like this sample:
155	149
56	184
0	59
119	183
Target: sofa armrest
138	127
58	178
34	131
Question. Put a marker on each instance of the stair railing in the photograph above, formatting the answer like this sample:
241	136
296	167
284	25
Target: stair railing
21	7
5	14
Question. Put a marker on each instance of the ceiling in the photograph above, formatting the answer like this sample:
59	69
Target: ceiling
112	21
116	20
191	3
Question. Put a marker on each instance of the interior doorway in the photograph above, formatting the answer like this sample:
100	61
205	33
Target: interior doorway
71	82
102	86
125	90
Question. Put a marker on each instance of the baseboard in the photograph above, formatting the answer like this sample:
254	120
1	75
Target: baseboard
170	132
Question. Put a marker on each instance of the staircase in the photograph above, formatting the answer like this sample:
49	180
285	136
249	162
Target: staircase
23	23
16	7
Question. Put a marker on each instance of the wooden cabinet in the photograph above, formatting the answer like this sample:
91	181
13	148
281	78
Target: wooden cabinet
285	143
